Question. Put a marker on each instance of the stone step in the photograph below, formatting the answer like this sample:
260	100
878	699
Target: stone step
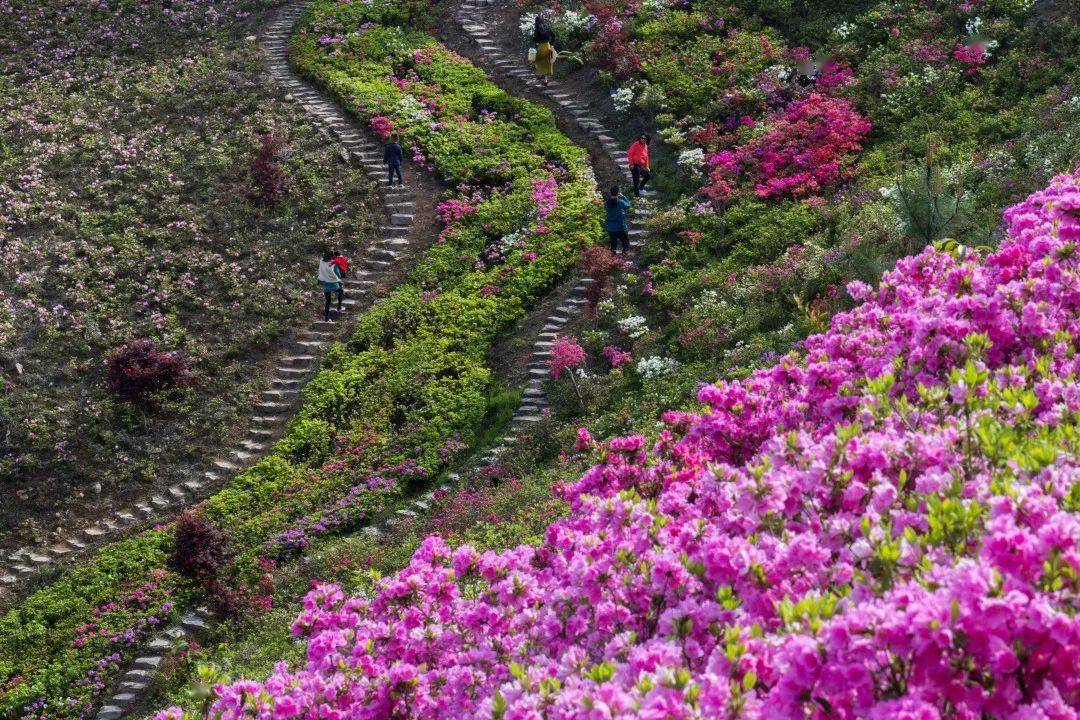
272	408
195	624
299	360
150	662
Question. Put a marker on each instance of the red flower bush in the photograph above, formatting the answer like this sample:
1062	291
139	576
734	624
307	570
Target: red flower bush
612	48
566	354
804	151
137	369
267	175
972	57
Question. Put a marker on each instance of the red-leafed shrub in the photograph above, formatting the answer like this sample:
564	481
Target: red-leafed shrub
202	549
267	175
137	369
600	264
202	552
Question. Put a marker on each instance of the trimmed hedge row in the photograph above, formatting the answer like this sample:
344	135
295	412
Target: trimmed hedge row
401	396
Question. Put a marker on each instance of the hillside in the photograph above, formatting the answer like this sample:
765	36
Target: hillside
807	450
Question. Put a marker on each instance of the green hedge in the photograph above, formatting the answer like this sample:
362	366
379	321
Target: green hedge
413	374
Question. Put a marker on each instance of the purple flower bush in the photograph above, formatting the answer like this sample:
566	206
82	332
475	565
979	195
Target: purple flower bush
883	527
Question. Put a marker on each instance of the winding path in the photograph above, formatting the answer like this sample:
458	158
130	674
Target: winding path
396	237
472	17
20	569
358	146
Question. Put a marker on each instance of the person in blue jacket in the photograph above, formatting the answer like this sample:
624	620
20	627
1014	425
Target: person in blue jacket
393	154
617	226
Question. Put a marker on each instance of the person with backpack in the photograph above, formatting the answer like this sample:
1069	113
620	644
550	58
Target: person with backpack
330	279
615	206
393	155
340	262
544	39
638	157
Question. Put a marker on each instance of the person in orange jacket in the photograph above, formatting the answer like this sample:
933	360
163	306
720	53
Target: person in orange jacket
638	157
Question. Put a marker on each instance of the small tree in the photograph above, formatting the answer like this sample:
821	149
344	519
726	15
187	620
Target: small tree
138	369
267	175
929	203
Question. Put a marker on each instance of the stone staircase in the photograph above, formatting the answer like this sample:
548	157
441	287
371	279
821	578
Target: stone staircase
281	398
472	17
278	402
136	682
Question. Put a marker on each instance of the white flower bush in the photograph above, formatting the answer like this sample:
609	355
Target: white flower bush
633	326
623	99
782	72
654	7
654	367
413	110
692	160
527	23
573	20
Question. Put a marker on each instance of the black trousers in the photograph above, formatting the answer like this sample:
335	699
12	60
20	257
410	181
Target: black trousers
615	236
327	294
641	175
394	167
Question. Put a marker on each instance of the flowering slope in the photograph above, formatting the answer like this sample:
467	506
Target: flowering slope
886	528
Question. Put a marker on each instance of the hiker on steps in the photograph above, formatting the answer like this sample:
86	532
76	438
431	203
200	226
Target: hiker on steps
393	154
544	39
616	223
330	279
638	157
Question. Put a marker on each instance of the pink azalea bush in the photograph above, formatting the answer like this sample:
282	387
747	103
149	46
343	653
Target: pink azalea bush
809	147
544	192
566	354
616	355
382	125
972	56
884	528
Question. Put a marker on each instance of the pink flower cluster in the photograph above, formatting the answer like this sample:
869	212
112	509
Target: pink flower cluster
880	529
616	355
566	354
972	57
452	210
804	151
381	125
545	193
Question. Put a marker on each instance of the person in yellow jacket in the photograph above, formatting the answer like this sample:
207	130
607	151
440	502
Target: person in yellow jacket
544	38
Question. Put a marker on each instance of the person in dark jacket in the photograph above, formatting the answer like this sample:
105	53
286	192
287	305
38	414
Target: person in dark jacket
616	223
544	39
393	154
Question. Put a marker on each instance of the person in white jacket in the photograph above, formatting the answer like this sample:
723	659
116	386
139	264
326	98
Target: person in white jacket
330	279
